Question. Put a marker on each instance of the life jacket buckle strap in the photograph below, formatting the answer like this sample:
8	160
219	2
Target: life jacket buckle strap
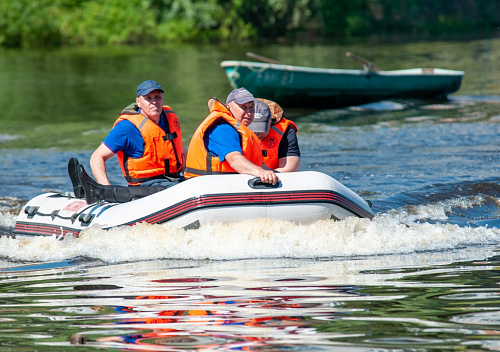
170	136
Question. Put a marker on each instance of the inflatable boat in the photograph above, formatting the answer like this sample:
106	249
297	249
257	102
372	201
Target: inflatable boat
300	197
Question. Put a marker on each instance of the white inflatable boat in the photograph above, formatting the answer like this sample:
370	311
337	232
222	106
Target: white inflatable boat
300	197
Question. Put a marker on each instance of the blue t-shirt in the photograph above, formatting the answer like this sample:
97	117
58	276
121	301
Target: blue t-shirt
126	137
221	140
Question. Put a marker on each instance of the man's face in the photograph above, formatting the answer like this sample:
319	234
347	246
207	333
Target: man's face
243	112
151	104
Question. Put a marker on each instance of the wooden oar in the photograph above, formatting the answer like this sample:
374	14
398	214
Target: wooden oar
368	65
263	58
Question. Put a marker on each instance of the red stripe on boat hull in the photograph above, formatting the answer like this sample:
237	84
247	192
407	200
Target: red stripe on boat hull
210	201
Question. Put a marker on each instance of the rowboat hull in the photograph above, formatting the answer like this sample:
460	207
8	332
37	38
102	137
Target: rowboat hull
297	86
300	197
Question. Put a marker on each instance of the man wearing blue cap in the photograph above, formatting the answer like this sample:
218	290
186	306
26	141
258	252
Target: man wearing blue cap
147	140
223	143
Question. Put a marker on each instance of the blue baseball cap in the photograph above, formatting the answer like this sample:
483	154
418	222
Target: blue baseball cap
240	96
147	87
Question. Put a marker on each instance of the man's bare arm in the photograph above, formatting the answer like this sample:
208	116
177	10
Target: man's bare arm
289	164
98	164
244	166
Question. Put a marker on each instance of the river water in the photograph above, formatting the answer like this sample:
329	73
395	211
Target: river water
423	275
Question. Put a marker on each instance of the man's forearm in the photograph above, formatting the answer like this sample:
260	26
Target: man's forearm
242	165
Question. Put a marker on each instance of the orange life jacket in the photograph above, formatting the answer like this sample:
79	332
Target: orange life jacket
200	162
163	152
272	142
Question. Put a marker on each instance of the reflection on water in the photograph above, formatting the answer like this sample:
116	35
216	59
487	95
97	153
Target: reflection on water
434	301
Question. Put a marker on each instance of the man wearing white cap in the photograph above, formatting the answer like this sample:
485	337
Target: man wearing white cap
223	143
278	136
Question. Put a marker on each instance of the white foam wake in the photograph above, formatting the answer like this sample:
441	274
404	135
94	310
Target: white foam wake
260	238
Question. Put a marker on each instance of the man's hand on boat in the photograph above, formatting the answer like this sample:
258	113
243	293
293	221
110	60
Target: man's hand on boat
268	176
244	166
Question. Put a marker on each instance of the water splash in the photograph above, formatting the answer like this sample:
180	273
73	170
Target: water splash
260	238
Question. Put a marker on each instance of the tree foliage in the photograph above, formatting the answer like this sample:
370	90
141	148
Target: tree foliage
28	23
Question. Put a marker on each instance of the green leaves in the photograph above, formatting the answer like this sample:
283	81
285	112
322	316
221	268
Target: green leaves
42	23
26	23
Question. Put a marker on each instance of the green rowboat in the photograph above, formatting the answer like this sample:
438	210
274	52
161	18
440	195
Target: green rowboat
297	86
